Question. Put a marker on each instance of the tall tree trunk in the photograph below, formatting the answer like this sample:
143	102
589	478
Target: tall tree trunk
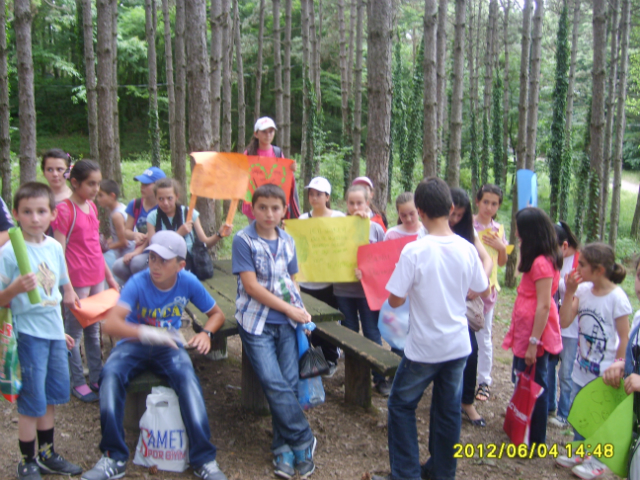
611	98
489	59
379	66
592	226
256	108
106	138
506	96
26	98
455	129
117	171
430	138
218	41
473	94
171	94
315	35
441	60
286	98
227	57
620	121
277	66
512	261
154	122
343	68
304	20
350	53
534	85
198	82
240	72
179	165
357	91
5	138
90	76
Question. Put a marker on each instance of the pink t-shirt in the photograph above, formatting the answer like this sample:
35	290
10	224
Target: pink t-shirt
246	206
524	312
83	253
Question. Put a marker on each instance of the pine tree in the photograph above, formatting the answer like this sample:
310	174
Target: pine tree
583	177
415	121
497	129
399	133
484	156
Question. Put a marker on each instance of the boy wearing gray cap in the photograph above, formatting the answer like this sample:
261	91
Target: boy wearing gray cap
148	316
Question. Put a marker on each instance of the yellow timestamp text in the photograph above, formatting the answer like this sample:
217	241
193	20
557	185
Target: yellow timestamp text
505	450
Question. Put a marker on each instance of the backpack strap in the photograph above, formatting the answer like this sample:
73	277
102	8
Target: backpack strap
137	209
277	151
72	207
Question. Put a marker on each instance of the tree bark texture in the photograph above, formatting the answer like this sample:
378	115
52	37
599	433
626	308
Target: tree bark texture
620	121
227	61
256	107
217	44
441	60
455	128
304	13
505	95
154	121
179	165
277	67
534	85
240	72
5	138
379	66
26	98
357	91
489	59
572	71
314	35
106	139
343	68
430	138
117	171
90	78
286	97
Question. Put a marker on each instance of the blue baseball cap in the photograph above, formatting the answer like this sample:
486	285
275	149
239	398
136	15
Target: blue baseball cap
150	175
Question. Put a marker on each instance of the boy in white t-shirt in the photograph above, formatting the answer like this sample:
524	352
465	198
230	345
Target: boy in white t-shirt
435	274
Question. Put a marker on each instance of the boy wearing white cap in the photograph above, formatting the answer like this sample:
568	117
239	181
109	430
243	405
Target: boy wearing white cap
148	316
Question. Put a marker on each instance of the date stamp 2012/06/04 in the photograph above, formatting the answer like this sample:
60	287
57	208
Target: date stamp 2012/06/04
509	450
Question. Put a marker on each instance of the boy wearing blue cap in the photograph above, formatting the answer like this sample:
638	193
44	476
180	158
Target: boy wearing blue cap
148	316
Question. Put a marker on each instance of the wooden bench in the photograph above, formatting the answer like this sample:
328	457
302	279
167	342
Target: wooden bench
361	356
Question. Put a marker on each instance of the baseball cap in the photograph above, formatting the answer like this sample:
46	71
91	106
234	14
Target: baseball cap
168	244
150	175
264	123
321	184
363	181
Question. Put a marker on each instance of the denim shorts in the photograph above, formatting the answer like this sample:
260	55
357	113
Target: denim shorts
44	365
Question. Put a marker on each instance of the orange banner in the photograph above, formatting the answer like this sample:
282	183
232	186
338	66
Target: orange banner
220	176
276	171
95	307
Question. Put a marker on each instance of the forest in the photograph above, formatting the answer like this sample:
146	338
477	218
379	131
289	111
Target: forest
471	90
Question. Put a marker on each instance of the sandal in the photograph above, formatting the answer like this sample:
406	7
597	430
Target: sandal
479	422
483	393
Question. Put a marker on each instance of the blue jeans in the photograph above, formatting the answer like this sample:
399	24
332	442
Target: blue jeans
575	388
567	357
350	307
274	357
538	429
409	384
129	359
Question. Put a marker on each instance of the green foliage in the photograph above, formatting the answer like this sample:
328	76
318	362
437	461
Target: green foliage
399	131
557	157
484	156
415	120
582	176
497	130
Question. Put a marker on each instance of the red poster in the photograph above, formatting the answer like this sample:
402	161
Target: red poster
273	170
377	262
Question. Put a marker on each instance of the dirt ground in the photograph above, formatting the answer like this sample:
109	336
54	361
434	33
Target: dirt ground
352	443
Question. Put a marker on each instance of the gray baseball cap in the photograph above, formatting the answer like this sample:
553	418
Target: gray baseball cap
168	245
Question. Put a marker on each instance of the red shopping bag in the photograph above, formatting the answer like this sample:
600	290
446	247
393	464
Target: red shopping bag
517	421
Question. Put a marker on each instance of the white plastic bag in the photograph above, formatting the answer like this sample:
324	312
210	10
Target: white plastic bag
163	439
394	324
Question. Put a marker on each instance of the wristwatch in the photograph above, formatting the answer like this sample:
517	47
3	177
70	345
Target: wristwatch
210	334
218	234
534	341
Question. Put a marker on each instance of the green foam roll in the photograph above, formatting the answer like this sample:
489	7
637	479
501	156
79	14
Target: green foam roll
20	249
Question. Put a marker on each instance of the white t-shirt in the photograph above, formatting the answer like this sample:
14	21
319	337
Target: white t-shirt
318	286
436	273
636	320
598	337
567	265
396	232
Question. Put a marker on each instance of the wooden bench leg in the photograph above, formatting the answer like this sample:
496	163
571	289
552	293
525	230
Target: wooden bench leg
134	407
357	381
218	349
252	395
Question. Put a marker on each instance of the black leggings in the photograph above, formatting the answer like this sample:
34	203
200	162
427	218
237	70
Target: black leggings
470	372
324	295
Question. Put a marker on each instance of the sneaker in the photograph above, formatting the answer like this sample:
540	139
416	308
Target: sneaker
570	462
332	369
106	469
85	394
590	468
28	470
56	464
558	422
304	459
284	464
94	387
210	471
384	387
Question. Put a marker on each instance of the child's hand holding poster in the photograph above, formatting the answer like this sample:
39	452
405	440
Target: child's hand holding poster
493	253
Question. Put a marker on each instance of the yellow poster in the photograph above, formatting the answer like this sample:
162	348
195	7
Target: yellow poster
327	248
493	253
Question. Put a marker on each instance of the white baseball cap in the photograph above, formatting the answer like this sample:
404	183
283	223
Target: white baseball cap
363	181
168	244
321	184
264	123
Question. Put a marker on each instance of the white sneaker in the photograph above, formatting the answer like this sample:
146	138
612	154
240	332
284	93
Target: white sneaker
570	462
590	468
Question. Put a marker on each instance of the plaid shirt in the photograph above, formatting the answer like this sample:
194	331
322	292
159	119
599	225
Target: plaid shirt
271	273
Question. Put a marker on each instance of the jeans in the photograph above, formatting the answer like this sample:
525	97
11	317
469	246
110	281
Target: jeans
552	383
92	348
538	429
350	307
129	359
470	370
124	272
485	349
575	388
274	358
409	384
567	357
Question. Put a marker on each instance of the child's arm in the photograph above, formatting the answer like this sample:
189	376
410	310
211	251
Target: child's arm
395	301
485	258
622	327
543	306
130	234
118	223
108	276
615	372
569	310
61	238
201	341
496	242
22	284
213	239
268	299
632	384
70	298
115	325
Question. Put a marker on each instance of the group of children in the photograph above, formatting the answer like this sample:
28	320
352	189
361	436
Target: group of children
441	270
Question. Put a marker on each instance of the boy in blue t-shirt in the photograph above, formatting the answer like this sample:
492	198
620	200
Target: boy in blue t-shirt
268	307
148	316
42	343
